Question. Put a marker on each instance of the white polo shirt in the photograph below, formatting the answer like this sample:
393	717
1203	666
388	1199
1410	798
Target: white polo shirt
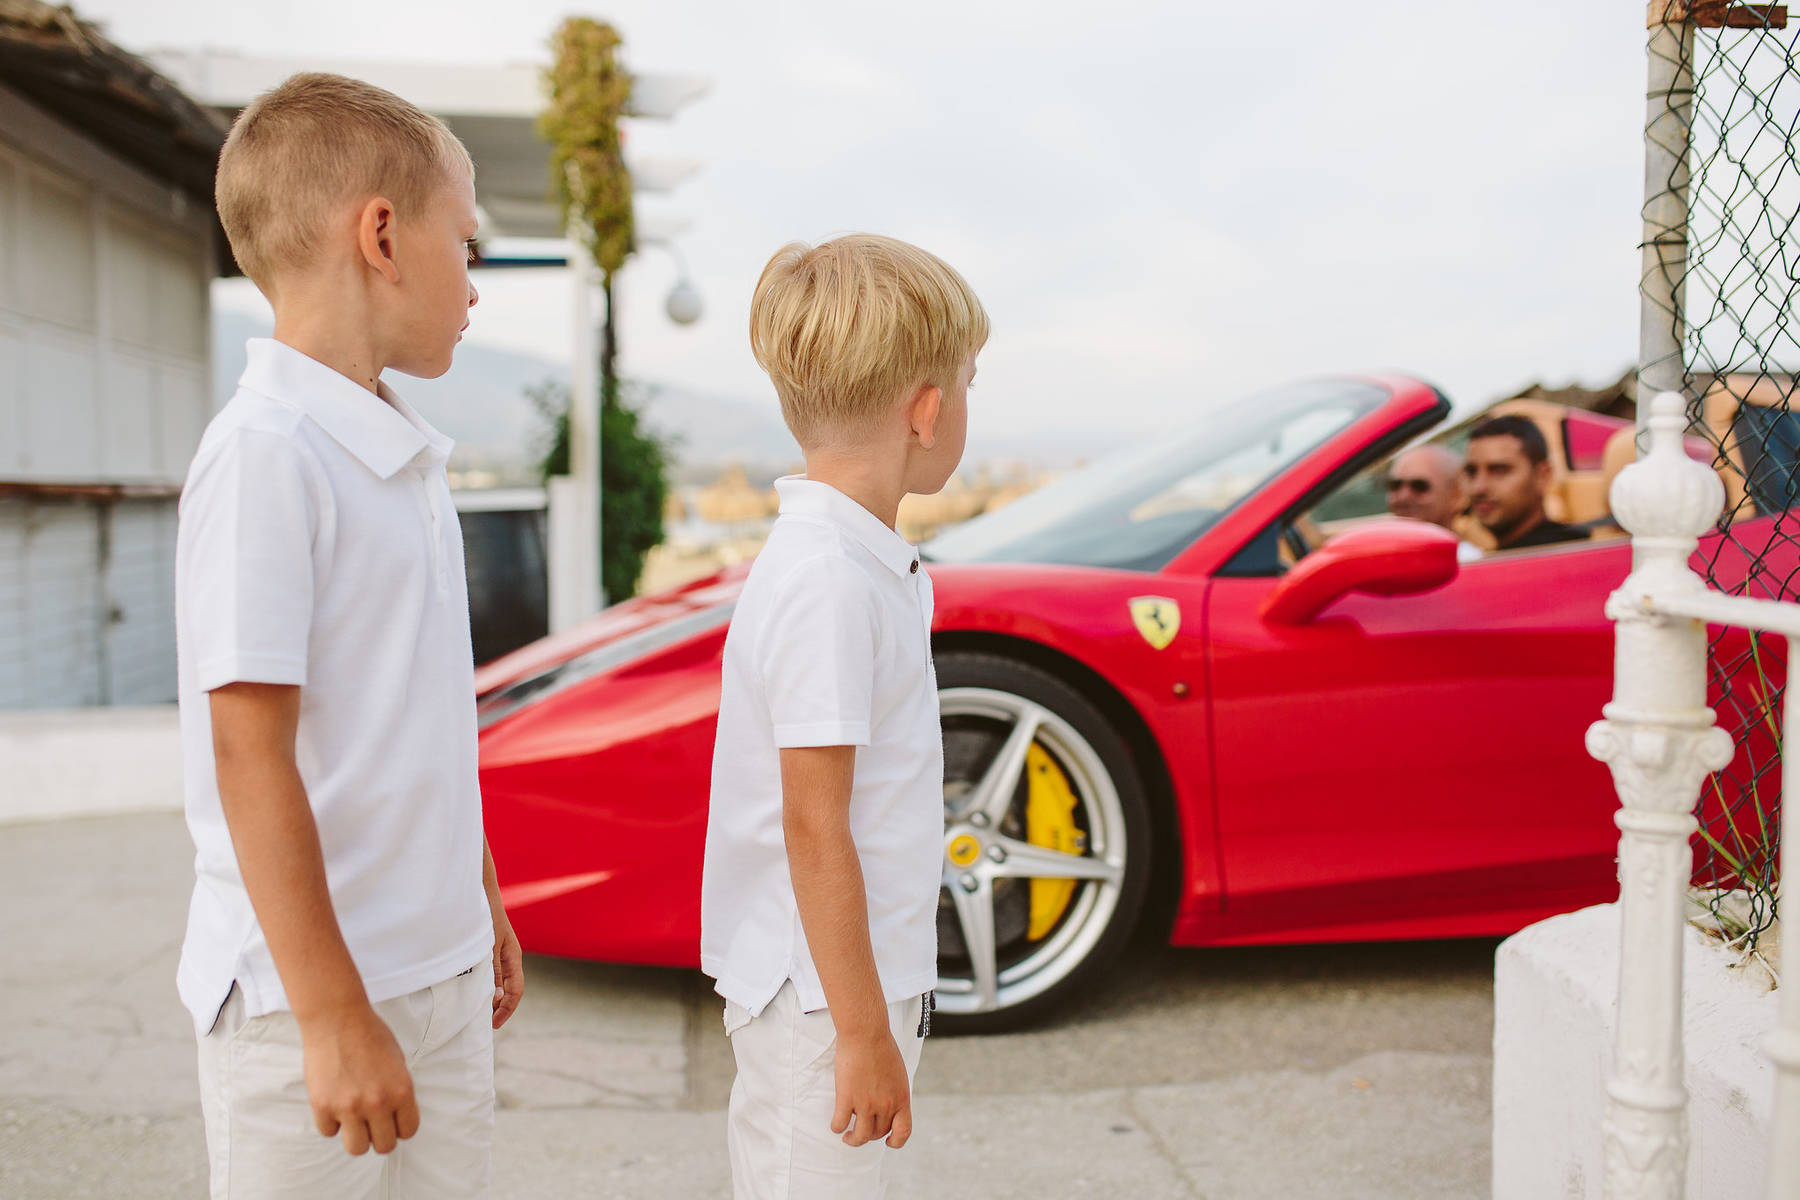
319	546
830	645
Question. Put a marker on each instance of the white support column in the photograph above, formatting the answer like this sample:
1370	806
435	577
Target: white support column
1660	741
574	564
1668	127
1784	1043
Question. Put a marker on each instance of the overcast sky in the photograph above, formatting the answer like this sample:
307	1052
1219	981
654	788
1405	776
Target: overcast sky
1161	204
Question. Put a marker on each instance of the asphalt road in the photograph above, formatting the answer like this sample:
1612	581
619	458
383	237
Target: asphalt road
1343	1072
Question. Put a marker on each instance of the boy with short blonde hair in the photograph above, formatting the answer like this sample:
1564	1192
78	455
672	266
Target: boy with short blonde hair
824	840
347	957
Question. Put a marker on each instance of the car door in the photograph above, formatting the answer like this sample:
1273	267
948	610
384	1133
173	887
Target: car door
1414	765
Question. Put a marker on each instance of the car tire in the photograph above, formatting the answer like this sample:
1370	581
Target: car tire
989	824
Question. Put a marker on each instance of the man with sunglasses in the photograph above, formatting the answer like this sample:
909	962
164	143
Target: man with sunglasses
1425	484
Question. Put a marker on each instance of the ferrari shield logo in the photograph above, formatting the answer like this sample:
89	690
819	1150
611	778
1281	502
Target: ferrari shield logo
1158	618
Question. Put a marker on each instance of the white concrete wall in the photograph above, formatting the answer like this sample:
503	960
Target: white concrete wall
1556	989
89	762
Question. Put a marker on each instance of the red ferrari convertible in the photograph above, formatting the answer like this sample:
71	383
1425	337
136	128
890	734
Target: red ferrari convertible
1206	682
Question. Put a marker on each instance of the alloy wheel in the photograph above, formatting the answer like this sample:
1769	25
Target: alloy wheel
987	963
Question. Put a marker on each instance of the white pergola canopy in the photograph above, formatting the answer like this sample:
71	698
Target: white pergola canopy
494	110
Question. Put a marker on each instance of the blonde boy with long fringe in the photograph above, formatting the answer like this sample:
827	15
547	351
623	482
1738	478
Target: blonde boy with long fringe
820	890
347	958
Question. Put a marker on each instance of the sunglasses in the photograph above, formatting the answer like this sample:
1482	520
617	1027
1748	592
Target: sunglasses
1417	487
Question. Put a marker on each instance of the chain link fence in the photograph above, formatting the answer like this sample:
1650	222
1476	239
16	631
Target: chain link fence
1721	324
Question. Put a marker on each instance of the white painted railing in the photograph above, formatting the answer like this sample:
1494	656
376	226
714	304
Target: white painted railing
1660	741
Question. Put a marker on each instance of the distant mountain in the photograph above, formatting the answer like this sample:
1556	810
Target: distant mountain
481	404
713	431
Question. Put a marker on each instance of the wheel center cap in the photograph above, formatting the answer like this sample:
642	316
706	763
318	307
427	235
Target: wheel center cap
964	849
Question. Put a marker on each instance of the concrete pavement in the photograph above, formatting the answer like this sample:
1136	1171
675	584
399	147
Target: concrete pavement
1344	1072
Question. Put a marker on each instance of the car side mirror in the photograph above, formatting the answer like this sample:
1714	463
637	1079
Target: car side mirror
1387	558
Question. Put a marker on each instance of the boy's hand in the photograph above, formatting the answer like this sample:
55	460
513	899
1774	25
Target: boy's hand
509	967
509	960
357	1081
872	1091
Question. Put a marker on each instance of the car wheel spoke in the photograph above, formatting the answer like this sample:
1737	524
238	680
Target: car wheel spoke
994	794
975	913
1023	860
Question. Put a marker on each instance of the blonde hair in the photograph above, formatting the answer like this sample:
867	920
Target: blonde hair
313	144
844	328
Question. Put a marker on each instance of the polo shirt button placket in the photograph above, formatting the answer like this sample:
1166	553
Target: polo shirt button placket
919	602
422	477
437	541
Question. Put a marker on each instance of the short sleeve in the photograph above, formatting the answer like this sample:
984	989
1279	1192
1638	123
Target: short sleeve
816	655
244	562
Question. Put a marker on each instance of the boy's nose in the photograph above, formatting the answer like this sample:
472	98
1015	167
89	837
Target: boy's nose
474	296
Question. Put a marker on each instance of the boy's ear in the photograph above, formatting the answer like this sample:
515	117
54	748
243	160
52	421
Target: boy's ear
375	236
922	413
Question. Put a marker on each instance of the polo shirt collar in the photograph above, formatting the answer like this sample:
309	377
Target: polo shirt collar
809	497
383	436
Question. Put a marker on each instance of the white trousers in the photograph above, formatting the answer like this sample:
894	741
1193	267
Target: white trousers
780	1138
261	1143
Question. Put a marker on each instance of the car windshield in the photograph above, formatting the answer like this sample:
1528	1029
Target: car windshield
1137	509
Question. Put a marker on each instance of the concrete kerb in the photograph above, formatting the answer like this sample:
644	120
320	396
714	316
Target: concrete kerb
89	762
1556	988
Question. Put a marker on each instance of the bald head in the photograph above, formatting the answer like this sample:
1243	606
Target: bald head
1425	484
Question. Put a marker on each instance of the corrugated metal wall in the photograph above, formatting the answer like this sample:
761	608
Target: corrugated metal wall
87	602
104	349
49	627
103	336
138	642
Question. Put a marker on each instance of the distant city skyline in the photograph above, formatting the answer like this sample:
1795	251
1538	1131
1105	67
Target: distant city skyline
1162	206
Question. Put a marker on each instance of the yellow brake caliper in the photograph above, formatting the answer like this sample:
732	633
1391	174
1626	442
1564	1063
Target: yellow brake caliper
1049	822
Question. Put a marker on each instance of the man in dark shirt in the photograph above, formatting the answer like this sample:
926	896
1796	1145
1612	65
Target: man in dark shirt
1508	472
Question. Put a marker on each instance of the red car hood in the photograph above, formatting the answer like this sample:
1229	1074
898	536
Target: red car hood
966	598
621	620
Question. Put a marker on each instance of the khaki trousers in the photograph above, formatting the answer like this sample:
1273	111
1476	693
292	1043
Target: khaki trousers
261	1143
779	1124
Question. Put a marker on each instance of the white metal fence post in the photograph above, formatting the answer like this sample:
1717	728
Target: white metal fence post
1784	1044
1659	739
